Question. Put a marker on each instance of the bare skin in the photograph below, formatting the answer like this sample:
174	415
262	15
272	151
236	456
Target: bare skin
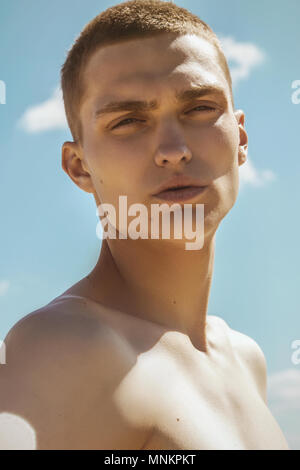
128	358
89	377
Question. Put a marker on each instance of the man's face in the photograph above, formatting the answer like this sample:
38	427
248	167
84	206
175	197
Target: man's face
132	152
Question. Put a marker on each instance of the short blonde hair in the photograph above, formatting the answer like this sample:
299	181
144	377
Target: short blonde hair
127	20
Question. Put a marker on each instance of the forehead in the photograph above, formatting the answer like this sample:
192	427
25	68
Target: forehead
156	65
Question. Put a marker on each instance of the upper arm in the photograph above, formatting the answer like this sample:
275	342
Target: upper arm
17	387
56	388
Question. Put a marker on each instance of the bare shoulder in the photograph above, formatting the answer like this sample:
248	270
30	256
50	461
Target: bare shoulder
249	353
252	356
61	331
56	388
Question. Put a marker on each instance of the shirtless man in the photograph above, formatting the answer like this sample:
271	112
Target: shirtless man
127	358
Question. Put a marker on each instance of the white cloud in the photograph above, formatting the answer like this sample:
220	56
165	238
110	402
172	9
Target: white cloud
242	57
49	114
4	285
249	175
284	403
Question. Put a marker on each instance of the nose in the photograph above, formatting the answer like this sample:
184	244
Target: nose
172	151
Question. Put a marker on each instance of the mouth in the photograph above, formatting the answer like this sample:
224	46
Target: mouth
183	193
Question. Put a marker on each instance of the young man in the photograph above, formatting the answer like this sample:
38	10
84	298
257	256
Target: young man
127	358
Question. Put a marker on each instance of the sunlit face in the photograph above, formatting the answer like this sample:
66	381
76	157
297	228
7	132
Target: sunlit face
132	150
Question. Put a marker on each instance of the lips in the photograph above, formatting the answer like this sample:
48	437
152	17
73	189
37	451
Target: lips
180	188
181	193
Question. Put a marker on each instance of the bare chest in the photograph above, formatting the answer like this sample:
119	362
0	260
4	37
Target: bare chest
192	402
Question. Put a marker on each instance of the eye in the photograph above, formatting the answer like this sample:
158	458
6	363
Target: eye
203	108
121	123
128	121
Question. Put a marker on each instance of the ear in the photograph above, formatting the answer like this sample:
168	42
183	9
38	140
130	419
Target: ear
243	136
75	167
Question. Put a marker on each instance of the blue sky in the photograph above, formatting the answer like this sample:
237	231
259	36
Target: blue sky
48	225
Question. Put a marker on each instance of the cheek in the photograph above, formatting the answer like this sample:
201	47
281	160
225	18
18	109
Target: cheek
219	149
226	163
218	146
115	168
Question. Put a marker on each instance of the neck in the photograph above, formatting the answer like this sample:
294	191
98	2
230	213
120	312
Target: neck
158	282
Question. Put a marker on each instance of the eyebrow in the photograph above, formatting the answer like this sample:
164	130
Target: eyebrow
181	97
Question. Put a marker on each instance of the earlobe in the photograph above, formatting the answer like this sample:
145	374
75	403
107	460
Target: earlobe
242	154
